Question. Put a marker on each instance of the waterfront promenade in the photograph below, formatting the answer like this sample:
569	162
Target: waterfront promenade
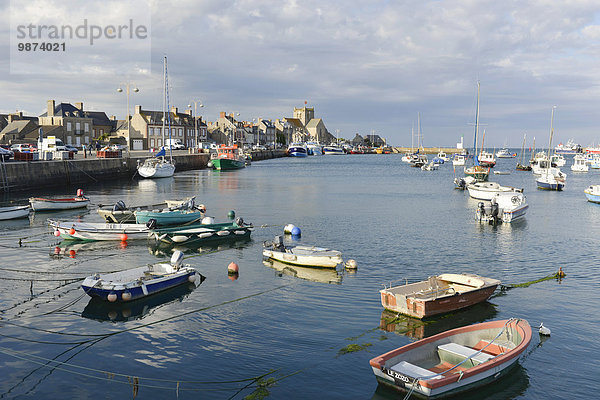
28	175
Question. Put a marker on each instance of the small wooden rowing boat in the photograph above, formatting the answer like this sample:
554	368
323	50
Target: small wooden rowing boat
454	361
140	282
46	204
14	212
99	230
438	294
308	256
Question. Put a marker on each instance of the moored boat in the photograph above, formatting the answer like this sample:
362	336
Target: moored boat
593	193
14	212
169	216
333	149
456	360
579	164
297	150
487	190
308	256
228	158
504	207
99	230
504	153
205	232
140	282
156	167
120	213
550	182
48	204
438	294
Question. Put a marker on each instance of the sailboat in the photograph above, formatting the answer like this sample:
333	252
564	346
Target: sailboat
159	166
521	164
551	178
477	171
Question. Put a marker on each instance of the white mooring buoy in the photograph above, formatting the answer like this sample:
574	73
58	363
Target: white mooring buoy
543	330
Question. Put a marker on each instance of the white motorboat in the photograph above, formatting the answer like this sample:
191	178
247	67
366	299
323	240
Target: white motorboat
432	166
593	193
462	183
549	181
504	153
14	212
458	160
503	207
307	256
333	149
579	164
314	149
487	190
442	156
558	160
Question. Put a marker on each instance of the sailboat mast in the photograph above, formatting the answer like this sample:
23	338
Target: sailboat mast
412	138
475	159
168	109
551	132
164	100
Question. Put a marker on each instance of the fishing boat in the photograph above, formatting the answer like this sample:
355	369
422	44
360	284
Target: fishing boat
333	149
14	212
140	282
579	164
593	193
432	166
120	213
487	190
99	230
487	159
442	156
477	171
418	161
504	153
228	158
437	295
551	178
458	160
236	229
308	256
47	204
314	149
521	164
454	361
503	207
558	160
297	150
569	148
158	166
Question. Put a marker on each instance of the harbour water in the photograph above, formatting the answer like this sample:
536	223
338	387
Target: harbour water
305	333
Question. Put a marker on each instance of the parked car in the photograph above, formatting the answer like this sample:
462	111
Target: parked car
22	147
5	154
117	147
259	147
69	147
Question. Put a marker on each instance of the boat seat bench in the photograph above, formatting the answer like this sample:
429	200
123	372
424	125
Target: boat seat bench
456	353
413	371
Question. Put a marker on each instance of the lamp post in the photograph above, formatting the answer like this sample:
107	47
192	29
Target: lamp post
199	105
127	89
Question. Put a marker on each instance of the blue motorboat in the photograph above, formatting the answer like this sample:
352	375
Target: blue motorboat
593	193
297	150
140	282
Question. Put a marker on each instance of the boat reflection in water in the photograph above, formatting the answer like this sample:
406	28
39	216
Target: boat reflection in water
101	310
323	275
419	329
162	249
70	248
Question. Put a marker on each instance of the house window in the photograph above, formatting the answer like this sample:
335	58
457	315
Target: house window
87	140
68	126
94	132
69	139
77	127
151	133
87	127
158	131
158	142
152	142
101	132
180	131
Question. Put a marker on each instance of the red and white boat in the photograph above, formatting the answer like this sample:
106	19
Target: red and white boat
456	360
45	204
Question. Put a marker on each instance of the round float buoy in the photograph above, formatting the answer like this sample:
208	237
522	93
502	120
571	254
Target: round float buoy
123	237
209	164
79	192
296	231
351	264
231	214
72	253
112	297
233	268
560	273
57	233
208	221
57	250
192	278
201	208
288	228
126	296
543	330
72	231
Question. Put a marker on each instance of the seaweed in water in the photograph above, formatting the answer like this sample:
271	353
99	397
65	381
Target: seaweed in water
352	348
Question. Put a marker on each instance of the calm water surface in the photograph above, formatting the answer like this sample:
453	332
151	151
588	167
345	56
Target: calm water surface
395	221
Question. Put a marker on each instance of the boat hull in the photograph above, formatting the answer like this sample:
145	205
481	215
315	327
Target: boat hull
100	231
544	185
14	212
223	164
487	190
205	233
42	204
156	169
328	258
593	194
174	217
467	368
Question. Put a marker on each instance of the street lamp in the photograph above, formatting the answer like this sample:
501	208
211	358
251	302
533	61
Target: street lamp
199	105
127	89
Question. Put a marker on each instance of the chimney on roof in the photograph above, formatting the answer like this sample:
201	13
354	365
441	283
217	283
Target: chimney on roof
174	110
222	114
138	109
113	117
79	105
51	108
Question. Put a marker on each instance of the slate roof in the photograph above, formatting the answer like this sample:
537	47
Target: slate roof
66	110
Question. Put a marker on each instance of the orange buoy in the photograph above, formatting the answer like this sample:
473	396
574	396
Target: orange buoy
233	268
57	233
123	237
79	192
57	250
72	253
560	273
72	231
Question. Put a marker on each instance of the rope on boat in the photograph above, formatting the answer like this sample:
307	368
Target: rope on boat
73	164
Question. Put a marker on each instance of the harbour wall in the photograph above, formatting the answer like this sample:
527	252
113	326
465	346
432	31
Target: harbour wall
28	175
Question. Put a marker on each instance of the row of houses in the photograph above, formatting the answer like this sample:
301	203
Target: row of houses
144	129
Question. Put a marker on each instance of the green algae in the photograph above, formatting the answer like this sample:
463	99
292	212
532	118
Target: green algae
353	348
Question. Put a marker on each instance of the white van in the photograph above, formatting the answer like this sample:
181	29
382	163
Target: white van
51	143
174	144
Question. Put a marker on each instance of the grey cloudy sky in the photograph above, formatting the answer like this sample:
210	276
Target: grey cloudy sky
363	65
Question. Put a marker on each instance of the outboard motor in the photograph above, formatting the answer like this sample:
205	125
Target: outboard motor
481	209
278	243
119	206
151	224
494	213
177	259
239	221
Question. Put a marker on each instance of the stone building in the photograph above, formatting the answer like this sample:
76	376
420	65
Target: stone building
77	126
17	128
